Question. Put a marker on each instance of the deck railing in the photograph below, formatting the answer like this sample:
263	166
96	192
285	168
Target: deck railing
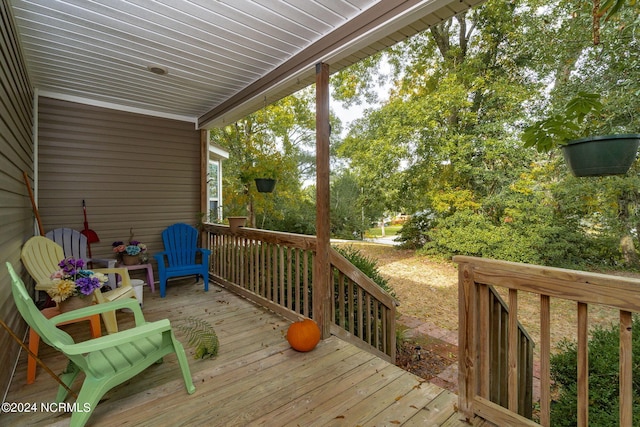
475	277
275	270
499	356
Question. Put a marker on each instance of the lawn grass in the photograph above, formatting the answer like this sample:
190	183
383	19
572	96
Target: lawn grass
390	230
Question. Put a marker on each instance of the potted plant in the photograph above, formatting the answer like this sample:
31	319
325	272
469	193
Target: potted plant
74	280
236	222
589	144
235	215
133	253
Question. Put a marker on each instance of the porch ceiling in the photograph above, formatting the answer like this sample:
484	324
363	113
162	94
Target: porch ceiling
225	58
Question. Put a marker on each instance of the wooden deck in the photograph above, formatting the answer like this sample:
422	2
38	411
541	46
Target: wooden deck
256	379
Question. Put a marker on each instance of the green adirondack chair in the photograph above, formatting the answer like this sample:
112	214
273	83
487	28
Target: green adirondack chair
102	359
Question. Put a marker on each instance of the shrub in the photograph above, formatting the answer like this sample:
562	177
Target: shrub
368	266
414	231
603	379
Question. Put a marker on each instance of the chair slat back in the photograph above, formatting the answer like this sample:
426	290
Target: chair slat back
181	243
41	257
73	242
53	336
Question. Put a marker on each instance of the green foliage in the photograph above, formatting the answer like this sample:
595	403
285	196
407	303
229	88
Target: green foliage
415	232
200	334
401	336
347	220
368	266
531	236
448	140
274	142
603	378
565	126
355	84
290	216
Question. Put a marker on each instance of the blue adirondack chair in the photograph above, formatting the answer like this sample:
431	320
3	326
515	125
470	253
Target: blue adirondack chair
180	256
107	361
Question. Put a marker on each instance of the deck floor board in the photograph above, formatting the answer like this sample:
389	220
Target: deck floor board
256	379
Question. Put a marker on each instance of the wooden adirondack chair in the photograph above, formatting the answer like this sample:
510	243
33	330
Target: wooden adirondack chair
75	244
179	256
41	256
107	361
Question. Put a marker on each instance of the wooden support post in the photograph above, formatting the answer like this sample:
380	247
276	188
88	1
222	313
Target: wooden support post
322	295
204	172
467	348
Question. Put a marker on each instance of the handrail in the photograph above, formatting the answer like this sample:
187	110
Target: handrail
477	274
275	269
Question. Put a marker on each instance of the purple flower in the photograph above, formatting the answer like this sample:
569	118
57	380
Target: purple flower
71	266
86	285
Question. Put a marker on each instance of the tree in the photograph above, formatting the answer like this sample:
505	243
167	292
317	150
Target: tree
274	142
447	141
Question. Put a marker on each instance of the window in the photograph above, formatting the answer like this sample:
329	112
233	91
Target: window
214	180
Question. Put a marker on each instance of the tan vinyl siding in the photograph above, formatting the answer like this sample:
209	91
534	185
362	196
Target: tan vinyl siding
16	148
133	171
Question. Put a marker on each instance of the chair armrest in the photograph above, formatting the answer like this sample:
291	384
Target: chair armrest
130	303
123	272
161	258
109	262
123	337
43	286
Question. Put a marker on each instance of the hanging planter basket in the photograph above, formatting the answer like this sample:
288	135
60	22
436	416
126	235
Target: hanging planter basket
265	185
601	155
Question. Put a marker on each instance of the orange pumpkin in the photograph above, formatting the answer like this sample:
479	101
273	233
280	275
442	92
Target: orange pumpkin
303	335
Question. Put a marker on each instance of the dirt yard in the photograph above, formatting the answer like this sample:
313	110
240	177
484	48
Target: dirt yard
428	289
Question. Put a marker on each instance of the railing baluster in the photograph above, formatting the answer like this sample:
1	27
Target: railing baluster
282	301
297	266
513	350
341	298
252	266
306	281
360	310
484	328
583	366
289	284
545	366
626	369
368	317
351	305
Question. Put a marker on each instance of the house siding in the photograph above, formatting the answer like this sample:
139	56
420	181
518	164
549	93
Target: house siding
134	172
16	148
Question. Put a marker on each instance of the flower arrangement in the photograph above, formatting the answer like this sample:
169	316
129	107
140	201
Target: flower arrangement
133	248
73	280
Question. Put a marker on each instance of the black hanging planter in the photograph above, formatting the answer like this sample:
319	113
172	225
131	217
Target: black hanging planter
265	185
601	155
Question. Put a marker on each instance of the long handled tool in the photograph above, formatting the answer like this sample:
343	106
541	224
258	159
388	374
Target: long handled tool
40	362
92	236
33	203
